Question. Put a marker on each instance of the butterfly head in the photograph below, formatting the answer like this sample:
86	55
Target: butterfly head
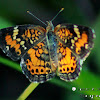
50	26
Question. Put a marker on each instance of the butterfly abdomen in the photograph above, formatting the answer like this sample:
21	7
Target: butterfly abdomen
52	45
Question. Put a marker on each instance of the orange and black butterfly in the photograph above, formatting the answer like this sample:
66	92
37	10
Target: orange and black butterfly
43	52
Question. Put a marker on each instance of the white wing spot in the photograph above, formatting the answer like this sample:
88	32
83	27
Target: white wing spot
22	42
7	48
75	26
15	27
14	37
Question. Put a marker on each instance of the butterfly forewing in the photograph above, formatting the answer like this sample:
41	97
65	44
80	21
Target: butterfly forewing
78	38
15	41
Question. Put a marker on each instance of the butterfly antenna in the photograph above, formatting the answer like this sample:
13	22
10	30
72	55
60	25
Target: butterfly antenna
57	14
36	17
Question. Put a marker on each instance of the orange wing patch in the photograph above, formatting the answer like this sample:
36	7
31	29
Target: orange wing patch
67	63
35	66
31	33
81	42
13	44
64	34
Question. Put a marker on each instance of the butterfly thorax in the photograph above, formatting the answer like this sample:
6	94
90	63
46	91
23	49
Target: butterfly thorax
50	33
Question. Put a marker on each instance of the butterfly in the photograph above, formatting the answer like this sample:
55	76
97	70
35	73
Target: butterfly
45	52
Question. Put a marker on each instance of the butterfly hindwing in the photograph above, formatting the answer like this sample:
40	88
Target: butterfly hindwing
69	65
36	64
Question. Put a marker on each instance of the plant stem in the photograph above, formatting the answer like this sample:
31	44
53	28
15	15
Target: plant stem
28	91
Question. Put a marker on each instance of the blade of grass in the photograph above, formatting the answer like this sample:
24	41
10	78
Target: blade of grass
4	23
10	63
17	67
28	91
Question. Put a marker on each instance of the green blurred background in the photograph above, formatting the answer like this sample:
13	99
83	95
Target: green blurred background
83	12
